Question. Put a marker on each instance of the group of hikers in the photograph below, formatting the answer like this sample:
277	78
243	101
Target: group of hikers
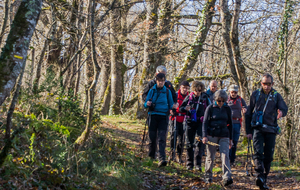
212	117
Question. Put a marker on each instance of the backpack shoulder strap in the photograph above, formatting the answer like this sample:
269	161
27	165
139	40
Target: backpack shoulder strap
241	101
168	92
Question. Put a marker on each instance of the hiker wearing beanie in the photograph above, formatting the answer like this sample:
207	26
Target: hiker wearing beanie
238	107
194	106
159	101
177	130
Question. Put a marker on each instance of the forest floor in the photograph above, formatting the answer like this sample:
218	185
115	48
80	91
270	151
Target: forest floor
175	176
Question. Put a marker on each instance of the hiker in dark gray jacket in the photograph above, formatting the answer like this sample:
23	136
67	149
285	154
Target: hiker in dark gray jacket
217	128
266	107
238	106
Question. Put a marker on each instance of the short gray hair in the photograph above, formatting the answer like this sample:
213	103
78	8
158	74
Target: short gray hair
220	94
160	69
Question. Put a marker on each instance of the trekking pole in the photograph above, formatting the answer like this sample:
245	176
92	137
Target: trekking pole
249	172
175	138
184	136
208	142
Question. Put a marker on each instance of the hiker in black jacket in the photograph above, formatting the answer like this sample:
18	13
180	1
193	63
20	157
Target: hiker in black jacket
217	128
266	107
168	84
194	106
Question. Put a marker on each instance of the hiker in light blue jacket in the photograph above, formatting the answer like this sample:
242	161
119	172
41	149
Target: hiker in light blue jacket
159	101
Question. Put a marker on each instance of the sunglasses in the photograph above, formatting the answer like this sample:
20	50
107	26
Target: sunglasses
219	101
198	90
267	83
233	92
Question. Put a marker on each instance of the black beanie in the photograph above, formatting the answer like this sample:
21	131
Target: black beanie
185	83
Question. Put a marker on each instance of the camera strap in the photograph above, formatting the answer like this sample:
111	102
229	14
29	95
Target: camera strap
269	96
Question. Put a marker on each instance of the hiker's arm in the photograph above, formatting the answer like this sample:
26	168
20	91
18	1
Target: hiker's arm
229	123
244	108
184	104
148	98
206	121
171	102
282	105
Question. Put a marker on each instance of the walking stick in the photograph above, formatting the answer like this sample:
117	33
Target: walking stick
249	162
208	142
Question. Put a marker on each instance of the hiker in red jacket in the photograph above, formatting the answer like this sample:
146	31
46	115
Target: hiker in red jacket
178	117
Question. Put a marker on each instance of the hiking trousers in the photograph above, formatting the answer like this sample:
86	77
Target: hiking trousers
195	148
264	145
179	137
158	125
236	127
211	152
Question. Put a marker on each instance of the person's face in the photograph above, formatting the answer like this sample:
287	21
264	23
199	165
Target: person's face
220	102
160	83
198	91
266	84
213	87
184	89
233	94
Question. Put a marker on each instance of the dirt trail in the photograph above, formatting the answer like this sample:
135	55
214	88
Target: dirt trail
175	176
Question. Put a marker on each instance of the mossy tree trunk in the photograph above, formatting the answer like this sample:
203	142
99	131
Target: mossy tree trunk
15	50
226	23
238	62
197	47
116	58
5	19
92	88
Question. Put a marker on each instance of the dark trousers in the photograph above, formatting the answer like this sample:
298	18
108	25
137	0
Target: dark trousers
179	137
263	144
236	134
232	152
195	148
158	125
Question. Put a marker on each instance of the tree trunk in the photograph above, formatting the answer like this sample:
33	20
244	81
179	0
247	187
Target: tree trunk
4	20
91	91
238	62
197	47
226	20
104	78
36	81
15	50
31	67
106	99
149	66
116	62
9	123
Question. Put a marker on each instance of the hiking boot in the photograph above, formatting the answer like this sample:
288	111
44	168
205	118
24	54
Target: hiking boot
198	168
232	164
162	163
261	183
208	181
227	182
179	159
